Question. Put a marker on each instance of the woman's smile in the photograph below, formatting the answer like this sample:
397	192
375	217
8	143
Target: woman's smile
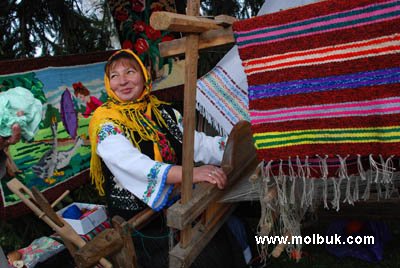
126	80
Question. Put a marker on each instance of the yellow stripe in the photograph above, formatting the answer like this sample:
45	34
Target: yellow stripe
323	142
322	129
341	135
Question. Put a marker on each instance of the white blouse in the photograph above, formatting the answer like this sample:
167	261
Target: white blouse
140	174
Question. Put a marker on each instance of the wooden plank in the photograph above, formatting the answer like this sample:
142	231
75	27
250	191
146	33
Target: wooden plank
180	215
225	20
168	21
183	257
107	242
189	108
212	38
141	218
239	161
126	257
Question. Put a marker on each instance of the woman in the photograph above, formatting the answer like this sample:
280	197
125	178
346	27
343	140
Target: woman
82	93
136	151
138	138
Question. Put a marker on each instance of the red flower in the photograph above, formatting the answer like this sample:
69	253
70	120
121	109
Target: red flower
141	45
139	26
127	44
151	33
121	14
137	5
167	38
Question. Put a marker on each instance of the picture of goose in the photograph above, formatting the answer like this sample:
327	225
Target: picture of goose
54	160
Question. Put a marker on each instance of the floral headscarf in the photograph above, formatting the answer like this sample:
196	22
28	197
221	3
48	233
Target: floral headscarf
132	116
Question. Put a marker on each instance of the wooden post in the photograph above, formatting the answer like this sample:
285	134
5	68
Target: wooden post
189	102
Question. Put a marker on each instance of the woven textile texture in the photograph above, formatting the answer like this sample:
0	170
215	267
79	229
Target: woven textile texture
324	104
221	100
324	82
57	158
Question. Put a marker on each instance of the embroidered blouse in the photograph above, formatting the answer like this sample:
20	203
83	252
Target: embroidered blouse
135	175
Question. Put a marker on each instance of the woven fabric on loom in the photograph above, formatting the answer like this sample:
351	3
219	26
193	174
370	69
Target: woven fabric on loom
221	100
324	81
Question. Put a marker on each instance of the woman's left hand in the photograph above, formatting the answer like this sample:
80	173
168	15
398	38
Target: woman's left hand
211	174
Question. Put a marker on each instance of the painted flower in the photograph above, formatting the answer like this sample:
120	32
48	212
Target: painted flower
121	14
141	46
151	33
167	38
156	7
139	26
138	5
127	44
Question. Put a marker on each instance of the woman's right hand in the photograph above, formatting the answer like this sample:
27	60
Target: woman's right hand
211	174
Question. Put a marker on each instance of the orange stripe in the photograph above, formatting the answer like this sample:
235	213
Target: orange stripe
326	58
395	37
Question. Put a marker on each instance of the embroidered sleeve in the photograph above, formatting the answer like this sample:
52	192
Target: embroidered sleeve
207	149
108	129
134	171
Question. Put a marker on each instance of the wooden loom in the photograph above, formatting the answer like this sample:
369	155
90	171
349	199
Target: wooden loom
198	215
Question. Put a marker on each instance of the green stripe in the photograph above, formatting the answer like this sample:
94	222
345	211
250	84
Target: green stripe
326	132
327	140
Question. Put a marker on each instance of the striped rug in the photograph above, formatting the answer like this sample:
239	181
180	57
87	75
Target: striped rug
221	100
324	82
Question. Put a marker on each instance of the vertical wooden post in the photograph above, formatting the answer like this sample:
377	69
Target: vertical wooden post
191	58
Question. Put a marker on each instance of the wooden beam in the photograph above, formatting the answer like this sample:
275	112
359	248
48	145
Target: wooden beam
239	162
181	215
183	257
168	21
106	243
225	20
207	39
189	113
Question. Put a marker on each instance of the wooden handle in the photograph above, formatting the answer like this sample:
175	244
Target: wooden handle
60	198
66	232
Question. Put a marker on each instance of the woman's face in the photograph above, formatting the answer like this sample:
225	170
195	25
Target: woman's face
126	79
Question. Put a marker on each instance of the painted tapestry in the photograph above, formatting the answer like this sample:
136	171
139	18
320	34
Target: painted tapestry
59	155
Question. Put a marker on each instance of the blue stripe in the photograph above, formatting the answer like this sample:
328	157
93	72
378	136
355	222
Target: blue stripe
349	81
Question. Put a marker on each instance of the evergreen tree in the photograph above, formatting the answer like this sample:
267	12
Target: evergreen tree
58	27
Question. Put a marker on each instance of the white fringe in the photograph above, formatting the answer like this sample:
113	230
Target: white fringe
298	192
210	118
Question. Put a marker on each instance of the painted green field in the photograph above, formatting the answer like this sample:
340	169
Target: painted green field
26	155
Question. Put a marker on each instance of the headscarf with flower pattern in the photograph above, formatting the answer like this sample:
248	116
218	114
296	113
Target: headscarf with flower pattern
132	116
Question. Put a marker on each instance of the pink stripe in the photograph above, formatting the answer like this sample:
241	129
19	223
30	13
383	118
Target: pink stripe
331	106
339	12
323	23
341	114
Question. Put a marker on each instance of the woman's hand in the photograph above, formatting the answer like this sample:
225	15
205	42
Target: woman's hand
206	173
210	174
